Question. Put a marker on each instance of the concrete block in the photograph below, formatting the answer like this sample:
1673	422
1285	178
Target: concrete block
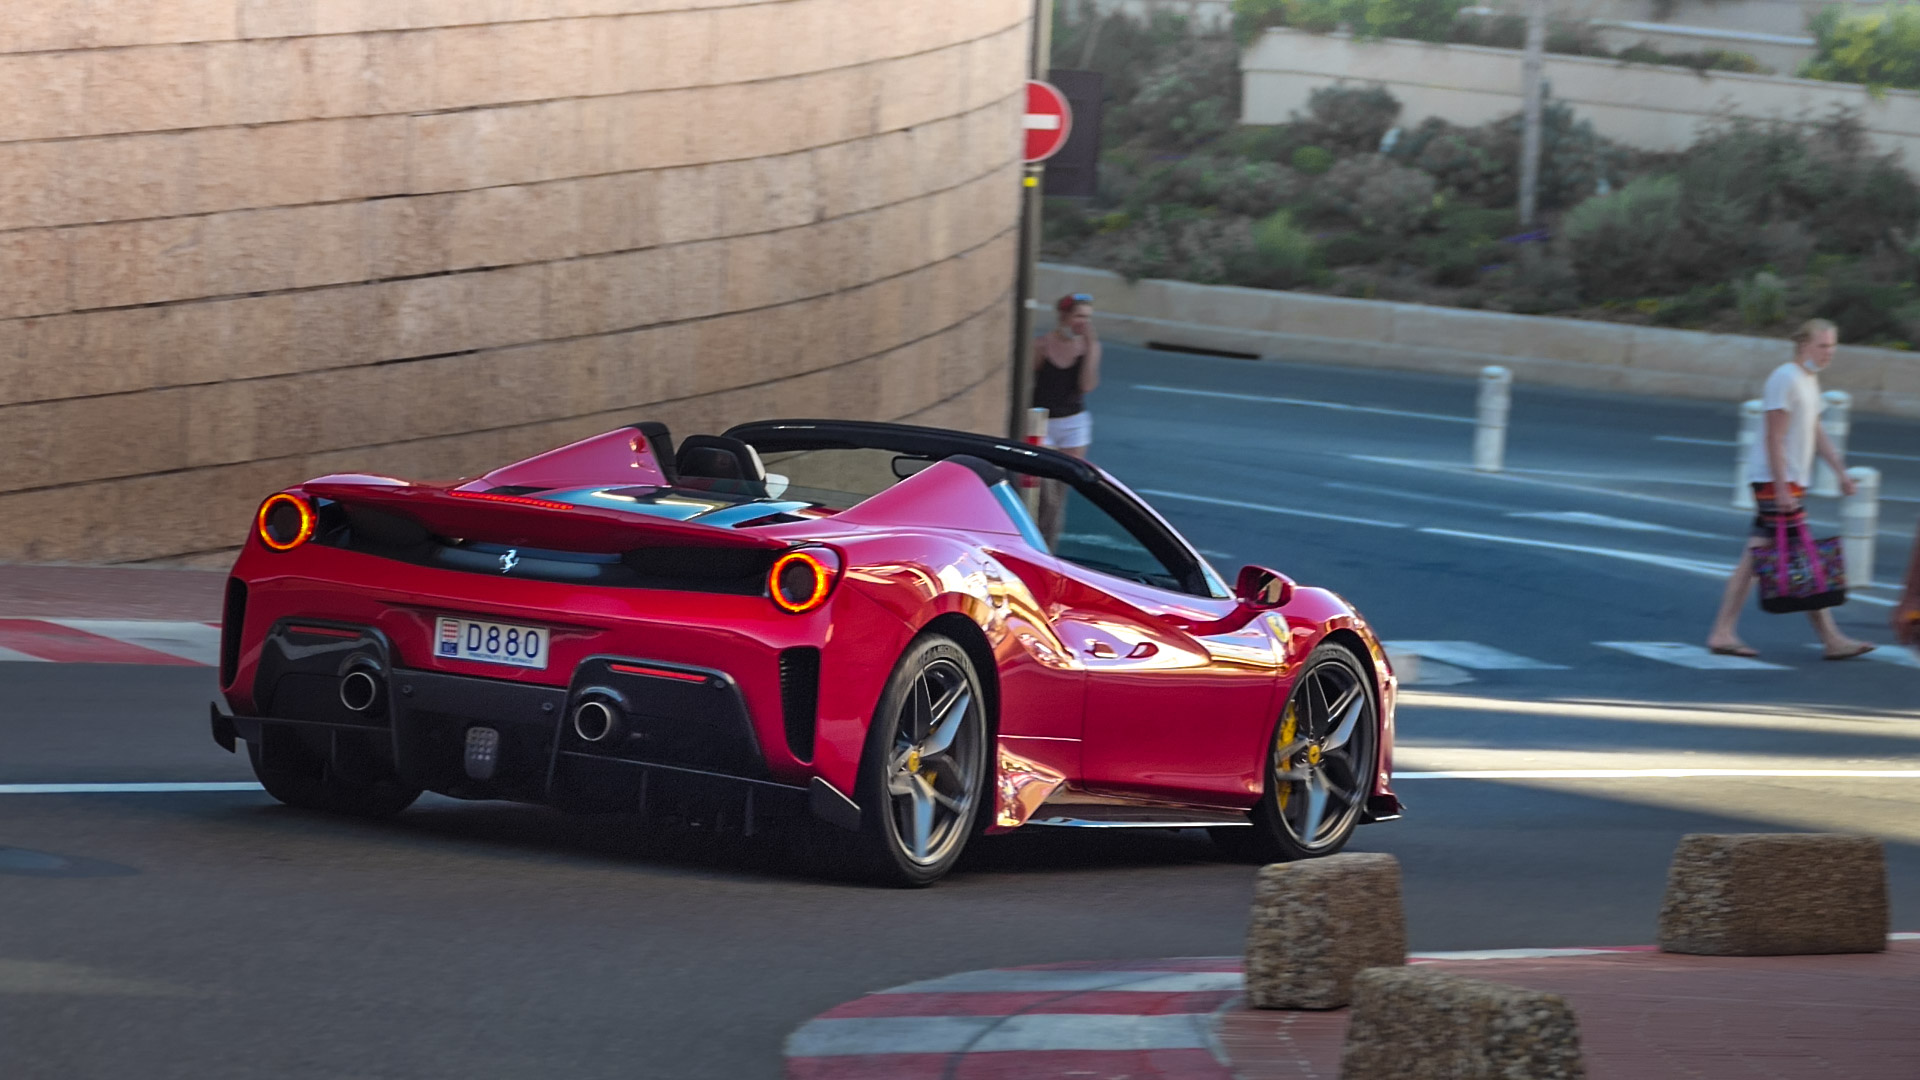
1317	923
1775	894
1418	1023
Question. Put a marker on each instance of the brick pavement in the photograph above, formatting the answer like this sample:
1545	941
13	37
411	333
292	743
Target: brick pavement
1647	1015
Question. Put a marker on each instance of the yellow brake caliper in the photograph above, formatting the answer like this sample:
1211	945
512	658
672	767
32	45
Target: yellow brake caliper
1289	730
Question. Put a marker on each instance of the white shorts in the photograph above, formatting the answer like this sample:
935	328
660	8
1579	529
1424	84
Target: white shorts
1069	431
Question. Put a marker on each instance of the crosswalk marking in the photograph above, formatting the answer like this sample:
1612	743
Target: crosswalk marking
1690	656
1473	656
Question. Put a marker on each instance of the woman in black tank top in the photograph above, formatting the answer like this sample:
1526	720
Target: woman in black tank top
1066	368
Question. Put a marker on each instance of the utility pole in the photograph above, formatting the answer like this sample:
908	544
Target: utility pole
1530	116
1021	384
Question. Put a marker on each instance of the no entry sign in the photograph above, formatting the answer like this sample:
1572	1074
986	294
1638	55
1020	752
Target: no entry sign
1048	121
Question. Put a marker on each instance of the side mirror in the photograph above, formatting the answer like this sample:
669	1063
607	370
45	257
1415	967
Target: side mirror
1259	587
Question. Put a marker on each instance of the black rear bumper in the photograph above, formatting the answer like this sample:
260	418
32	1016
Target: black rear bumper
683	742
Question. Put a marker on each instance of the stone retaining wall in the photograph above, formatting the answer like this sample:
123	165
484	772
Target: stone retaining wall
247	241
1649	106
1416	337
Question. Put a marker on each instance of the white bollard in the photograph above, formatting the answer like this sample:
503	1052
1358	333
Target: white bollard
1490	431
1835	418
1860	524
1752	418
1036	436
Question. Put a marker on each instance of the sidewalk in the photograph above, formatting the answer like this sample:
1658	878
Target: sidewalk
110	592
110	615
1643	1015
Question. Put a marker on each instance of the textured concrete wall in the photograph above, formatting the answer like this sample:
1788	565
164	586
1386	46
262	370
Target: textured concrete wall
243	242
1456	341
1644	105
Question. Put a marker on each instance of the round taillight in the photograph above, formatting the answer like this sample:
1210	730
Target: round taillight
799	582
285	522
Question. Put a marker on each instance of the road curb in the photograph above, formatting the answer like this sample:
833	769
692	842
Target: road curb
1143	1019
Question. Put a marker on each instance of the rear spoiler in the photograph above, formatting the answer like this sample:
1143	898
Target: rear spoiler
524	521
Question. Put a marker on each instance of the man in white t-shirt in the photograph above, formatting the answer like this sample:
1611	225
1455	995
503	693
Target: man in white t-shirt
1780	468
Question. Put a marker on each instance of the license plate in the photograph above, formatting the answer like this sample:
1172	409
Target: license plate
492	643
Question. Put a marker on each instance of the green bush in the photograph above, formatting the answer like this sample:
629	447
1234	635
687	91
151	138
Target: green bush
1865	307
1312	160
1422	20
1354	249
1189	99
1378	195
1284	255
1481	164
1621	244
1347	119
1123	49
1250	17
1692	308
1878	48
1706	60
1537	282
1761	299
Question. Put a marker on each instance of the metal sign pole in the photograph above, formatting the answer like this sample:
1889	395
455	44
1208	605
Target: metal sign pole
1020	385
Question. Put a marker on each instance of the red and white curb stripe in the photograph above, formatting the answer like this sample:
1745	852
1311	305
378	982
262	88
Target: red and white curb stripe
1148	1020
110	641
1082	1020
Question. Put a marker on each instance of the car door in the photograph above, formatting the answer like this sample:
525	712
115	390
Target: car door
1170	713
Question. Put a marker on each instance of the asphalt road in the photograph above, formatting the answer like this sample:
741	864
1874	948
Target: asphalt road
212	935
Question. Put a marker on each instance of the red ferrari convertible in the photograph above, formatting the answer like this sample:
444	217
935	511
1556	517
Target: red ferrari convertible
856	622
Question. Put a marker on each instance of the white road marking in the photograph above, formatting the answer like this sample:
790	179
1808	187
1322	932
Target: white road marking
1016	981
1703	567
1308	403
195	641
1617	478
1517	954
1473	656
1415	496
1461	470
1672	562
125	789
1693	442
1897	655
1883	457
1287	510
1690	656
837	1036
1604	521
1649	774
1097	1031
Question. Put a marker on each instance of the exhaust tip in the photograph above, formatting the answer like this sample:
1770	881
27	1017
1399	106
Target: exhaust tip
359	690
594	721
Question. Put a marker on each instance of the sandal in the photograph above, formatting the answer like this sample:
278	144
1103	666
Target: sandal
1861	648
1735	650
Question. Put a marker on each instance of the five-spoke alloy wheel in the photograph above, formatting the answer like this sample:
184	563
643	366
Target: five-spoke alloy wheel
925	761
1321	767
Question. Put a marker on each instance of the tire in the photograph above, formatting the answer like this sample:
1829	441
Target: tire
303	780
1310	758
923	773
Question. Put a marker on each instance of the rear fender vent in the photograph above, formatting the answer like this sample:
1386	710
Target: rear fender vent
800	698
233	618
